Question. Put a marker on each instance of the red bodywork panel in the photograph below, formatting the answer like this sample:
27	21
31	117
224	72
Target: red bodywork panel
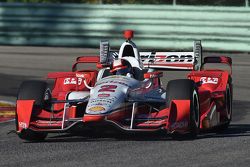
67	81
179	116
212	86
24	110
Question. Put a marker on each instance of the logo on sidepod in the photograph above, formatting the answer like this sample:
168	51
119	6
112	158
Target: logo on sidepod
22	125
103	95
97	108
72	81
209	80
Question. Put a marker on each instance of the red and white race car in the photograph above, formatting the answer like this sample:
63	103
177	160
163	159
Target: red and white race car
127	93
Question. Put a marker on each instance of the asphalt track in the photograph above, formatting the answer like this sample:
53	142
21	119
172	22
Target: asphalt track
230	148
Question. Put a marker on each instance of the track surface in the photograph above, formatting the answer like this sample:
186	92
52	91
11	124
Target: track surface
230	148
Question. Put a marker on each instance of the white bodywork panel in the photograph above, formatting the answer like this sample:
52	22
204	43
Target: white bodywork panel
78	95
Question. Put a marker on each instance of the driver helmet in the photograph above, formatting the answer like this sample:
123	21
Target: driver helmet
121	67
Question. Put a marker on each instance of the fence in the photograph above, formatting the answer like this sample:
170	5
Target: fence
159	27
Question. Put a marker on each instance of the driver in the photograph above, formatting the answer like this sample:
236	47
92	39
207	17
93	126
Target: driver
121	67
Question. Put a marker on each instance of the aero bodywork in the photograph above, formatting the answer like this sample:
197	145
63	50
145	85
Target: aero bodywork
95	98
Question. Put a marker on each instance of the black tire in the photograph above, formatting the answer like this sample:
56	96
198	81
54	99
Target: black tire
185	89
228	106
32	90
33	136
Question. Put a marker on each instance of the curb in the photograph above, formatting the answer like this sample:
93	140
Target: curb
7	111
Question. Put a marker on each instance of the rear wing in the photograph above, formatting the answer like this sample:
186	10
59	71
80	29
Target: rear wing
160	60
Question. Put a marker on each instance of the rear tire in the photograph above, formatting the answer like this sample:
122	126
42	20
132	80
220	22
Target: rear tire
185	89
228	106
32	90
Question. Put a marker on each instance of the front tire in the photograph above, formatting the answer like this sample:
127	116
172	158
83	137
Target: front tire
33	136
185	89
32	90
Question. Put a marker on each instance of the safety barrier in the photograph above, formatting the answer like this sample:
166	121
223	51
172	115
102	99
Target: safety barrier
156	26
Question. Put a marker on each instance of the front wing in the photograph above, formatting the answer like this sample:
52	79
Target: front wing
135	117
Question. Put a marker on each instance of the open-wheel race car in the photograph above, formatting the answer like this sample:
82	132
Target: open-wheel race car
127	94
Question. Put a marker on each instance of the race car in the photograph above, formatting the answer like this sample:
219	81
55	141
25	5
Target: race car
125	92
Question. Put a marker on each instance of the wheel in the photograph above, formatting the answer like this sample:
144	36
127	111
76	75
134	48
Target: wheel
30	135
228	106
185	89
33	90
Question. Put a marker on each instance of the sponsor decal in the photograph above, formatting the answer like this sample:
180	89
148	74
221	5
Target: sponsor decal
152	57
209	80
80	75
112	82
179	125
108	100
156	122
107	88
72	81
167	57
97	108
22	125
103	95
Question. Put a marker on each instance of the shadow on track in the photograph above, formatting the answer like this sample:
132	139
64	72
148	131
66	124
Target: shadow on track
109	137
234	130
241	109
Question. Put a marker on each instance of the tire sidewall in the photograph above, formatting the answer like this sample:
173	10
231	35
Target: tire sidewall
194	112
228	103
